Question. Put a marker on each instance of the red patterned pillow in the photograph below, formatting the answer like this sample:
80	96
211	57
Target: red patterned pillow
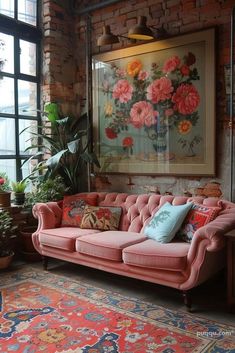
101	217
198	216
73	208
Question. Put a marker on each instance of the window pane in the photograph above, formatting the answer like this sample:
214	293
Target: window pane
8	166
27	58
27	11
7	7
27	93
7	136
7	101
25	137
6	53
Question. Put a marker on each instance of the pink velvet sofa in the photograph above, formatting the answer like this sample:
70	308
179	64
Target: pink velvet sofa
128	252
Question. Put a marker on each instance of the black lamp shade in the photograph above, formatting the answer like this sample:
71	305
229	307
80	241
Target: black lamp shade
141	31
107	37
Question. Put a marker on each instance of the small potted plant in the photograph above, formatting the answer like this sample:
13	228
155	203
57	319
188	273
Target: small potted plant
18	187
7	235
5	190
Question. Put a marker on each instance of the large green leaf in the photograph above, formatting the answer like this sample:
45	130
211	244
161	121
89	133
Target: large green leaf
52	111
54	160
73	146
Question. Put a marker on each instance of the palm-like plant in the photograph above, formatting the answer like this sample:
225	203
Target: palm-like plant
63	148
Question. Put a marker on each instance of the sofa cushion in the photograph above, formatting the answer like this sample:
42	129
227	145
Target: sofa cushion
73	208
101	217
107	245
63	238
171	256
166	222
198	216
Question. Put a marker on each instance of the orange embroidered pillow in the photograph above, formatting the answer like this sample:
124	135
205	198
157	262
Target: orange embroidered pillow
198	216
101	217
73	208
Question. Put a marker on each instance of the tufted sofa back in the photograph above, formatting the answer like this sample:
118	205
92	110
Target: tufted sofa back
138	209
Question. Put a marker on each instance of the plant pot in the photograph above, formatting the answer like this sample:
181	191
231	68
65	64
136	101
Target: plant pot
5	261
19	198
28	250
5	199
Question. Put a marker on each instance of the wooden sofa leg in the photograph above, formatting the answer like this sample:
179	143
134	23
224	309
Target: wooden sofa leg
187	300
45	262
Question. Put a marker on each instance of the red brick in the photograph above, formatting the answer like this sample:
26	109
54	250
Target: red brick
189	17
171	3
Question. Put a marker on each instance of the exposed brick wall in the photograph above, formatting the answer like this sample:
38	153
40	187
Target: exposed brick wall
58	55
65	82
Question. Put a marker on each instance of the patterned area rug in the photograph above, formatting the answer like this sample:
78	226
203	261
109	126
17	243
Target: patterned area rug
42	312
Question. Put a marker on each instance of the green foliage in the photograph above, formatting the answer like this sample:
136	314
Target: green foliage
45	191
19	186
6	233
64	148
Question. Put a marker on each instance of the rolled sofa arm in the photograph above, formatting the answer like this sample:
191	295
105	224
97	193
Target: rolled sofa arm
211	236
48	214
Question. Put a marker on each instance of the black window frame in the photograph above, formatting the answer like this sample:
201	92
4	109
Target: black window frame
22	31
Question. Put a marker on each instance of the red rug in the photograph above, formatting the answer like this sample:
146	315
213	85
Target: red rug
42	312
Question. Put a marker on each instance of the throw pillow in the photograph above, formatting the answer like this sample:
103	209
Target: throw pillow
101	217
73	208
166	222
198	216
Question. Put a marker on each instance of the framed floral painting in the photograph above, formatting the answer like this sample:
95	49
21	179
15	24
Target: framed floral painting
154	107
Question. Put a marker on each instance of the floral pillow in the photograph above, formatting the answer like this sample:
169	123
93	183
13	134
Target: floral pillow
101	217
73	208
198	216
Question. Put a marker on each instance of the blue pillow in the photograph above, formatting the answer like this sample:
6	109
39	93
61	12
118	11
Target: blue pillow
166	222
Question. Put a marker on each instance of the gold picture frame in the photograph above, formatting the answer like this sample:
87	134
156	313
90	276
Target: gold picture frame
154	107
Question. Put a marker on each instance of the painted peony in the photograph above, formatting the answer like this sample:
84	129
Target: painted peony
127	141
142	114
171	64
186	99
134	67
160	90
110	133
108	108
184	127
143	75
122	91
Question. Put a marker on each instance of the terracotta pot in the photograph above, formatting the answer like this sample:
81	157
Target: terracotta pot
28	250
5	261
5	199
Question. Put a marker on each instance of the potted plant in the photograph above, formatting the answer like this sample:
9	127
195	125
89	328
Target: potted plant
5	193
6	236
64	147
18	187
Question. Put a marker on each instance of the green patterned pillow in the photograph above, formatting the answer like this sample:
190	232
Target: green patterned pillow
101	217
166	222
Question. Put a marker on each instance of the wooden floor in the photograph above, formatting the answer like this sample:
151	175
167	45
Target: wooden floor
209	299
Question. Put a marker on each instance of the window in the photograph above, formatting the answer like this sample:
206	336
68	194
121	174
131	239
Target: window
19	83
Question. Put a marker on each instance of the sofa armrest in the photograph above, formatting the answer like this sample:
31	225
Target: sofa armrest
211	236
48	214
